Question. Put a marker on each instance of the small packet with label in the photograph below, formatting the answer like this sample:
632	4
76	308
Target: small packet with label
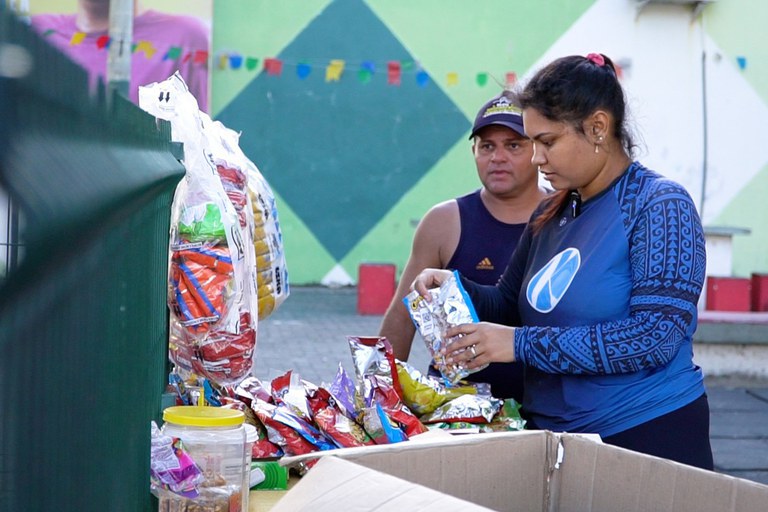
450	306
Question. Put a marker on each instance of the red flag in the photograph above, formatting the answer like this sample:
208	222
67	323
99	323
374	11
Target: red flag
201	56
393	72
102	42
273	66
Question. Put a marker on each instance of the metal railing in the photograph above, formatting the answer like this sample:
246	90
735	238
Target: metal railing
83	316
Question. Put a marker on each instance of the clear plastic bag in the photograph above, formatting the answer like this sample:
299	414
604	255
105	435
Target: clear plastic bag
211	278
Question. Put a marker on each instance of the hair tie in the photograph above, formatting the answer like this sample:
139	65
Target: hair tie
596	58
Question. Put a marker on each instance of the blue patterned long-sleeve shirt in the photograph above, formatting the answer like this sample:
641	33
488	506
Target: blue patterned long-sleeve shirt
607	301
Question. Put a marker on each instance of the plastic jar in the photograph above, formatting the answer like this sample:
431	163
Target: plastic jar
251	436
215	439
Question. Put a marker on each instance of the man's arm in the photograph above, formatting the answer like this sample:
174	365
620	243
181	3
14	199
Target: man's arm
434	242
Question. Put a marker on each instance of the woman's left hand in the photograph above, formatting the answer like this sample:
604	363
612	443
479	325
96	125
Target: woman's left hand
479	344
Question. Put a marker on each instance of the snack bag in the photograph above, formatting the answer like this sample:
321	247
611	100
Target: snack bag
330	418
171	466
425	393
466	408
212	294
450	306
255	203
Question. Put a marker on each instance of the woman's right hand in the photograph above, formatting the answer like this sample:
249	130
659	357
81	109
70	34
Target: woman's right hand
429	278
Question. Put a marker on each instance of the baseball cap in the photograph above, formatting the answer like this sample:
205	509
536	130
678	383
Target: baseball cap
501	111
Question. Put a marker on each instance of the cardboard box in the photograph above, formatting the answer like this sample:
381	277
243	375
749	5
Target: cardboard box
526	471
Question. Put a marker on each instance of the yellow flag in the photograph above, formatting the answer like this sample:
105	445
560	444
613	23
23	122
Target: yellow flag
77	38
147	47
452	78
334	70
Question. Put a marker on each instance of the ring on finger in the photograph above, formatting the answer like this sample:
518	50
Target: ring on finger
472	349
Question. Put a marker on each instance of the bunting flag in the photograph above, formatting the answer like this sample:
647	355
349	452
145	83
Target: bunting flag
235	61
201	56
273	66
393	72
422	78
334	70
303	70
147	48
174	52
102	42
77	38
367	69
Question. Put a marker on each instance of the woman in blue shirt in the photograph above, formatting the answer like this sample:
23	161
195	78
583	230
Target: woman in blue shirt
604	285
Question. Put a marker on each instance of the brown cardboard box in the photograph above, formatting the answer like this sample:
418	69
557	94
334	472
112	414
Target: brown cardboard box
527	471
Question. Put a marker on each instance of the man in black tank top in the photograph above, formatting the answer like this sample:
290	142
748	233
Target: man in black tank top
476	233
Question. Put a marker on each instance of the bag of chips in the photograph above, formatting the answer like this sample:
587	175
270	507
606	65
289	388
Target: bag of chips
450	306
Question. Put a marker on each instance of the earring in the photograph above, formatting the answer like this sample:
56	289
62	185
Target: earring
596	150
599	141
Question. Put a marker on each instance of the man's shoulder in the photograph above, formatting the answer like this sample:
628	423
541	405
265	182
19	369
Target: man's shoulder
443	209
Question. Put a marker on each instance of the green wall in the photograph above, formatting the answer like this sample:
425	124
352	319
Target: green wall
356	162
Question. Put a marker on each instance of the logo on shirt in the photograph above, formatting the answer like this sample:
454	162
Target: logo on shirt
484	264
550	283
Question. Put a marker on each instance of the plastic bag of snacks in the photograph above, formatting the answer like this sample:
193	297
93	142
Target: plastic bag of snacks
254	199
450	306
212	292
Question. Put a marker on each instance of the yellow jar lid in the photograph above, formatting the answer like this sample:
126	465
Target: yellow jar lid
203	416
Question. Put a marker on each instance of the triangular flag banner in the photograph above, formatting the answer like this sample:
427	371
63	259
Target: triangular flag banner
482	79
223	61
77	38
201	56
273	66
303	70
422	78
742	62
452	78
102	42
147	48
174	52
235	61
511	78
251	63
407	65
393	72
334	70
186	57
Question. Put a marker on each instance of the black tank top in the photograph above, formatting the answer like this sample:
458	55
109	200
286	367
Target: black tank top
485	244
485	247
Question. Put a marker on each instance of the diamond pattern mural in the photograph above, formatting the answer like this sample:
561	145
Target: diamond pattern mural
342	169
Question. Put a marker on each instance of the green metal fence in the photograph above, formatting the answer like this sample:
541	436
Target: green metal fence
83	319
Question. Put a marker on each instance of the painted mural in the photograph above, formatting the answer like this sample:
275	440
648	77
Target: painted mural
358	111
